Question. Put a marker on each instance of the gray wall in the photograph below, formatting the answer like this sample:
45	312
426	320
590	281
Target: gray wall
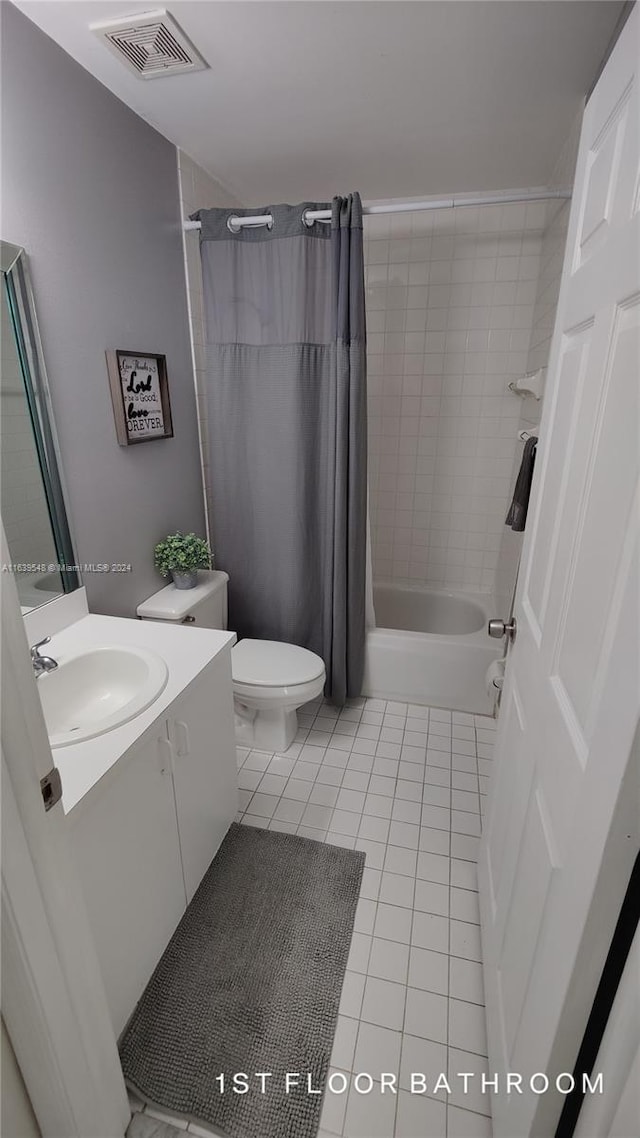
91	192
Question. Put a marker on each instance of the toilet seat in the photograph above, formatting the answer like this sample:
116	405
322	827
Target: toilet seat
264	664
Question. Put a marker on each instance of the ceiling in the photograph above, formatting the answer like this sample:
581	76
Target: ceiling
307	99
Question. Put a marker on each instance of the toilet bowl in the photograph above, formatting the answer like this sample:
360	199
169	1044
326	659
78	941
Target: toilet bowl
271	679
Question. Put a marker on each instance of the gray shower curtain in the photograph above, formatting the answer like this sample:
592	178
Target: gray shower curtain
286	384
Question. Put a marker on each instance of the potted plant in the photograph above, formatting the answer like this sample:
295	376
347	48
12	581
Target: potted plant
181	555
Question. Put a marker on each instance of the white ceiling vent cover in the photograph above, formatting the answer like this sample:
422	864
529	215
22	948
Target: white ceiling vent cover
150	44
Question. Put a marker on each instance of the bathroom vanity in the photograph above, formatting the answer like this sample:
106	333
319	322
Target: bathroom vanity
149	803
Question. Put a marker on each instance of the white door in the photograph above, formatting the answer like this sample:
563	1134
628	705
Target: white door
572	687
205	774
125	841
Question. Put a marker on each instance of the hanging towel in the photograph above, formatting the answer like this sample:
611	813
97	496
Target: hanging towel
517	515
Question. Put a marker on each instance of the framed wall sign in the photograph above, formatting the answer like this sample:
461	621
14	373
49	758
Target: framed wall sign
140	396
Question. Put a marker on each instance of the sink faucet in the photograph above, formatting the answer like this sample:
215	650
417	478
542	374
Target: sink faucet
42	664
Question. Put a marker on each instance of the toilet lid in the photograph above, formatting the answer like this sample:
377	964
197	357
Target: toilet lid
274	664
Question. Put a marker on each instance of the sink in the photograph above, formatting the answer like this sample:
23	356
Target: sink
93	692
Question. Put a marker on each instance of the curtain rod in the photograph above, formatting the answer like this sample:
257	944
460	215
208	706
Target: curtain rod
311	215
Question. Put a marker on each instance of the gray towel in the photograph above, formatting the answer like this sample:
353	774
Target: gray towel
517	515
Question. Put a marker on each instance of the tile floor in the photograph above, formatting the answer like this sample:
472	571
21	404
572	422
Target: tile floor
407	785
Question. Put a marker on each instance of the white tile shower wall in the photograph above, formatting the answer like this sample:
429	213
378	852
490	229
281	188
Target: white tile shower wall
554	240
198	190
450	305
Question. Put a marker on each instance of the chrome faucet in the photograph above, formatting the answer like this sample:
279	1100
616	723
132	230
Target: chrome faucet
42	664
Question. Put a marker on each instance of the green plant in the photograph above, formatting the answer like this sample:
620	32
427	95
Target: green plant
182	552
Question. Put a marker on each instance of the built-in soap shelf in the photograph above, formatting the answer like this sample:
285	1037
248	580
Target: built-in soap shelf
524	436
530	384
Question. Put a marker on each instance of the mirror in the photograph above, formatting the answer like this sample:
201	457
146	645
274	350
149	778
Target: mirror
32	500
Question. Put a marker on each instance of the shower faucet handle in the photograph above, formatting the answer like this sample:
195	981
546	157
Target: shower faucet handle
499	628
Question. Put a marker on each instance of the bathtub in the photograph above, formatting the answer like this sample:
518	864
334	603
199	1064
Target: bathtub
430	647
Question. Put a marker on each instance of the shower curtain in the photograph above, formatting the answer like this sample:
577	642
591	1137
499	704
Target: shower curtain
286	395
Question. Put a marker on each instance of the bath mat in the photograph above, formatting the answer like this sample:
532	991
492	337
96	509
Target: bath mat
250	982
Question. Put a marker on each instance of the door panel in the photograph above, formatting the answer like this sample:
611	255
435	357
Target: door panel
204	769
572	688
125	841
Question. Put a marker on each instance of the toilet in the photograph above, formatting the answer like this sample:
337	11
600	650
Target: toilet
271	680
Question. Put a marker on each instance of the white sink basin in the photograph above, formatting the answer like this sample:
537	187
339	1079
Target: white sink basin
93	692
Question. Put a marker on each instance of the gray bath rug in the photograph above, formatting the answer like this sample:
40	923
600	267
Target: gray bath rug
250	982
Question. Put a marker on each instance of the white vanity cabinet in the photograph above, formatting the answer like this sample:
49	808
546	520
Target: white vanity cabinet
146	833
201	734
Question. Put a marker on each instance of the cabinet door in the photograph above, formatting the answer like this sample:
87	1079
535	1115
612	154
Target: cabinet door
128	855
204	770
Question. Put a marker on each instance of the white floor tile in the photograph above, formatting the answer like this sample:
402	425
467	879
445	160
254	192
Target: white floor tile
344	822
473	1098
464	847
396	889
248	779
377	1051
404	834
374	852
344	1043
433	795
370	1115
352	993
323	795
434	841
365	916
283	827
343	840
409	789
433	867
464	1124
383	1003
359	952
254	820
334	1108
422	1055
374	829
399	860
382	784
465	980
355	780
318	816
464	906
389	960
298	790
429	970
431	897
464	874
426	1015
352	800
393	922
467	1027
465	940
419	1117
403	785
430	931
378	805
272	784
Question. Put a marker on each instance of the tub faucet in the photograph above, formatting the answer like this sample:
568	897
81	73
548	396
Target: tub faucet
42	664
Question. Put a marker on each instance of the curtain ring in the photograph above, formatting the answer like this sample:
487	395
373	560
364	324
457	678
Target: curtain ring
232	224
308	221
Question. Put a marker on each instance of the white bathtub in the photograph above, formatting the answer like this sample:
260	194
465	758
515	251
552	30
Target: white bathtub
430	647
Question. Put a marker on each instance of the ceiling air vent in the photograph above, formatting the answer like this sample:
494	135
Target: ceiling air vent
150	44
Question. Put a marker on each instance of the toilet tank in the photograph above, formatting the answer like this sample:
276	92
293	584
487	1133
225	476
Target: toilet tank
205	606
